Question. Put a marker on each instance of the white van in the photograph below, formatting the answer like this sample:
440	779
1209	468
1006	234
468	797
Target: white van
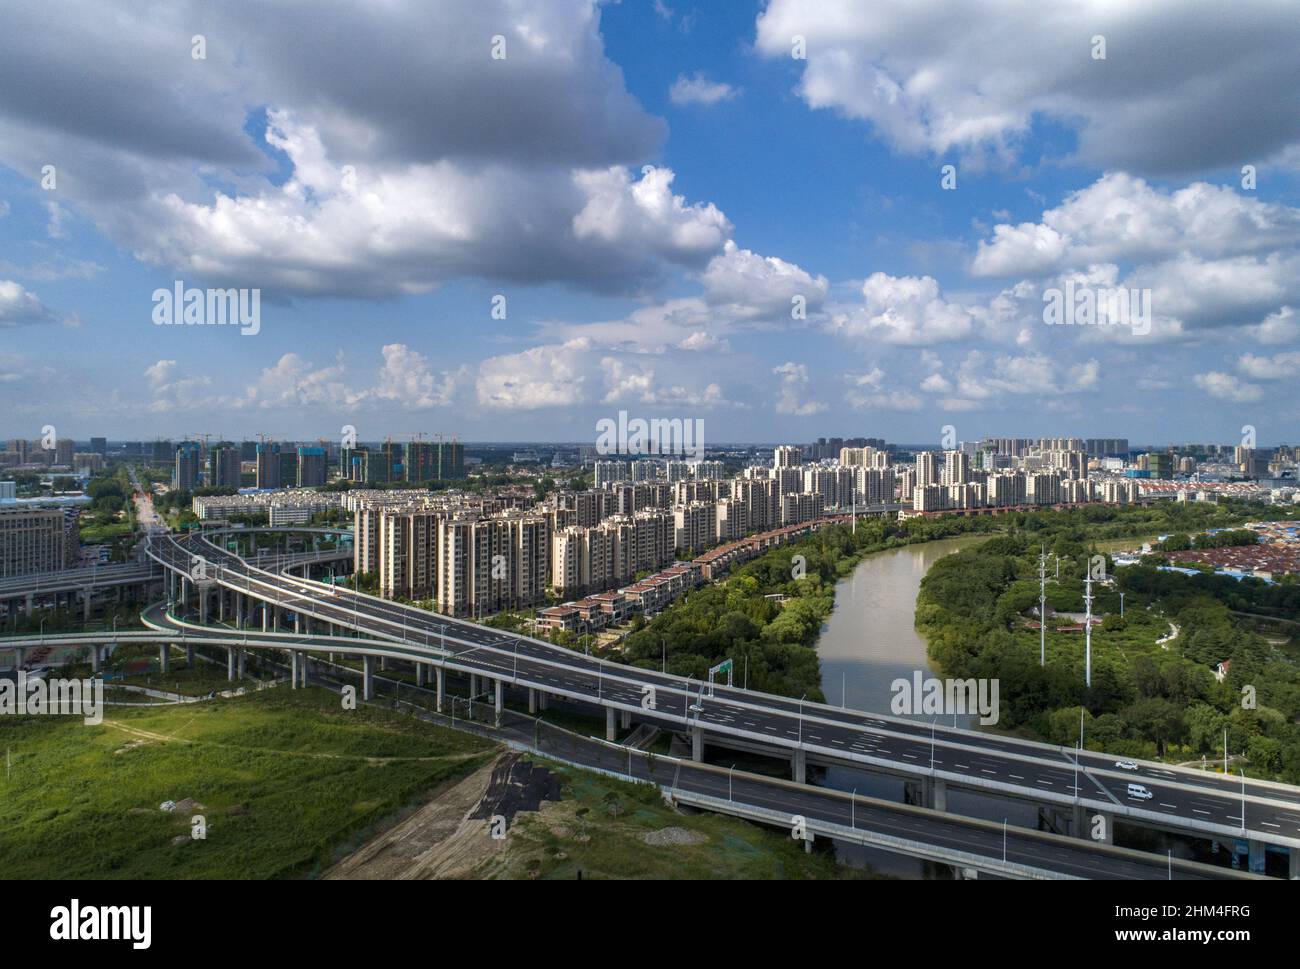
1138	791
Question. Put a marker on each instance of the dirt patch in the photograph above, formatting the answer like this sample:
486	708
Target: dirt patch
452	836
674	836
437	841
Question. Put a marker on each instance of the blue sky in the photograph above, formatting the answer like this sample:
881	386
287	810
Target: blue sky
649	185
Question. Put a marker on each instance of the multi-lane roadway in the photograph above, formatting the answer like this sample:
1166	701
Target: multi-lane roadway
1184	800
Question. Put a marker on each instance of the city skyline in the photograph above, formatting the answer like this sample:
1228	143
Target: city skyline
865	233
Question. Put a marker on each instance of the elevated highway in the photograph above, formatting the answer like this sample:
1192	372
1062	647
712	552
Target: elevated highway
932	756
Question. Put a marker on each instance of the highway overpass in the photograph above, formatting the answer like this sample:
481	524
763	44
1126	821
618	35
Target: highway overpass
931	756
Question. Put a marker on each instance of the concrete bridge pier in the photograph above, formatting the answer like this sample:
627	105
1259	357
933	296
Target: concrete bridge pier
367	677
437	674
297	623
164	656
242	657
419	674
221	605
239	610
1294	873
85	614
293	669
1256	856
31	604
625	719
936	793
473	684
532	700
304	668
611	729
266	619
203	606
543	702
498	701
799	767
94	658
277	622
189	656
697	744
230	664
383	664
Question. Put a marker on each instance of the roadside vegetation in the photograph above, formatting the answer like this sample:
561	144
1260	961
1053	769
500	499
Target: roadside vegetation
1154	690
605	828
285	779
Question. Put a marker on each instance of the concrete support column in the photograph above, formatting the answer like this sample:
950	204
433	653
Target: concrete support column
297	623
266	618
293	669
85	615
304	667
1294	873
473	684
938	791
94	662
383	663
799	767
532	700
189	656
419	674
1256	856
438	688
164	656
203	606
367	677
31	604
498	699
230	663
697	744
239	610
543	701
611	727
625	719
243	658
276	622
221	604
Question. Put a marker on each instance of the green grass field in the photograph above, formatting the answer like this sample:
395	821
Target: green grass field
599	826
288	781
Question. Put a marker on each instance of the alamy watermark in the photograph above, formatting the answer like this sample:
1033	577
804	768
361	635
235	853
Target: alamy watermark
208	307
676	435
38	696
1098	306
940	698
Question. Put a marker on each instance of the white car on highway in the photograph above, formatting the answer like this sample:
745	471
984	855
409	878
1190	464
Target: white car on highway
1126	765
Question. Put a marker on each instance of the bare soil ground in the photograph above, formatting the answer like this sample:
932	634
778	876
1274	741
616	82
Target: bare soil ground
451	836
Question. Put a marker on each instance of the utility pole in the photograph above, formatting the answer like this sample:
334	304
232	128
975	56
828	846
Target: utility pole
1042	607
1087	630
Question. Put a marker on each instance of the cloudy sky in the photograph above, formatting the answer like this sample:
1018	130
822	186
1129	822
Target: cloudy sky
508	219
